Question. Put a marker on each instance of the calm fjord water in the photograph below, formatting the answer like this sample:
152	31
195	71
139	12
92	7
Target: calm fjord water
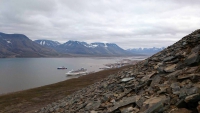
24	73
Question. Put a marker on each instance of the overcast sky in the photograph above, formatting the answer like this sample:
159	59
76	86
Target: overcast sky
128	23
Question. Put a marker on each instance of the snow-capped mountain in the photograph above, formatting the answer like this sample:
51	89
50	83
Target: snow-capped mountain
76	47
48	43
19	45
147	51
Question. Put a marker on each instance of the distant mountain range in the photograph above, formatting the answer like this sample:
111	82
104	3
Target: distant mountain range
83	48
146	51
18	45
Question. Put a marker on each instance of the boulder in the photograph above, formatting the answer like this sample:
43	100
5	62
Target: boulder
192	98
169	58
175	88
123	102
170	68
193	59
154	104
127	79
93	105
198	107
181	110
174	74
185	76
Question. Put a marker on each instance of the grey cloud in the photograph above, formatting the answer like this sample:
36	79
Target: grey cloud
129	23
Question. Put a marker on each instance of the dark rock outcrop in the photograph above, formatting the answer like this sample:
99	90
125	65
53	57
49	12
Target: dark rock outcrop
167	82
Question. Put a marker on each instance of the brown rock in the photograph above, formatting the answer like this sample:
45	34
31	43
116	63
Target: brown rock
198	107
192	98
181	110
153	104
93	105
126	109
169	58
123	102
93	111
174	74
192	59
170	68
147	77
192	76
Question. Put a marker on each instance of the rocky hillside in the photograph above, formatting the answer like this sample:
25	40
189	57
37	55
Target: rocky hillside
167	82
19	45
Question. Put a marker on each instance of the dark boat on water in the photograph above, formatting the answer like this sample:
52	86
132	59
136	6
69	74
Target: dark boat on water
62	67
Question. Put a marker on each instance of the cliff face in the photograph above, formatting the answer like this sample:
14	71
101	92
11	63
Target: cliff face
168	81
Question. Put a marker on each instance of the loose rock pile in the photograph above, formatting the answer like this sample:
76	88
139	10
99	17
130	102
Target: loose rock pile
167	82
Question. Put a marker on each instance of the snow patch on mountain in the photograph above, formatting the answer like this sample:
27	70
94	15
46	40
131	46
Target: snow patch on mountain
105	45
9	42
91	46
47	43
42	43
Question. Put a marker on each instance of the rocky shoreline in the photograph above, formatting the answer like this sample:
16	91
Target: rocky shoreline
167	82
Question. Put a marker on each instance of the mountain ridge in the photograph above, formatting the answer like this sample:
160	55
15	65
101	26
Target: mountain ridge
19	45
148	51
47	43
83	48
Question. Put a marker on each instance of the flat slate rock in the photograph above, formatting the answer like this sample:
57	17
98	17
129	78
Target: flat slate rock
124	102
